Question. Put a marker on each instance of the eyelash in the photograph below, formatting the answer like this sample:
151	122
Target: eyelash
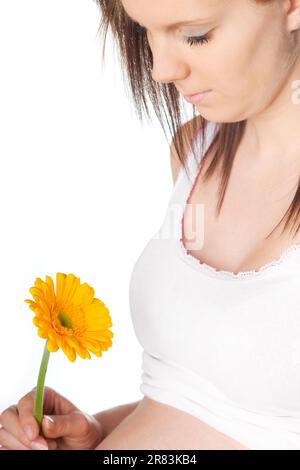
196	40
192	41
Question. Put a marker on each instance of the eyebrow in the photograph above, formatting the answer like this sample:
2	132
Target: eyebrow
179	23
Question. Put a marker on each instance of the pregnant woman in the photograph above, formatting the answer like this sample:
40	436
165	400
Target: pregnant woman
215	294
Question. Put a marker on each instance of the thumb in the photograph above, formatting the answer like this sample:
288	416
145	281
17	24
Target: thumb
72	425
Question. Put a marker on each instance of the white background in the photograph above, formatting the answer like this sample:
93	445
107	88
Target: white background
84	185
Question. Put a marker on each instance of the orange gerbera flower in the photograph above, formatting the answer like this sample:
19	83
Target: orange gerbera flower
72	318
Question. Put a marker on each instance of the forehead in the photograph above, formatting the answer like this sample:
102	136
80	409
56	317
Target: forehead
167	13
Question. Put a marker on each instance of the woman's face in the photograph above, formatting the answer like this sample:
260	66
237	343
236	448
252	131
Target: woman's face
247	60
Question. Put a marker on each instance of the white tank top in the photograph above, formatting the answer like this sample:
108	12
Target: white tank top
222	346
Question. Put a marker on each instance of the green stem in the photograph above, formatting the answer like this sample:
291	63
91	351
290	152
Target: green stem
39	396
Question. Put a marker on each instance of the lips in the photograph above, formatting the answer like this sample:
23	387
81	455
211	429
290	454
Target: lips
195	94
197	98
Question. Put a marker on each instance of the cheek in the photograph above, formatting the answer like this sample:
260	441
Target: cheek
248	64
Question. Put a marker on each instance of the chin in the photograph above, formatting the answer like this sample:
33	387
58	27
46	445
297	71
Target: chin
212	114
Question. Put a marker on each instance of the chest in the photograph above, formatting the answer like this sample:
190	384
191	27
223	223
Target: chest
235	240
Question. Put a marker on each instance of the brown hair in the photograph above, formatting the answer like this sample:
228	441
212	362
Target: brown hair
136	59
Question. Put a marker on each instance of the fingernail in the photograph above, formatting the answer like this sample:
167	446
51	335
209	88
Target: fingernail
38	446
29	432
49	421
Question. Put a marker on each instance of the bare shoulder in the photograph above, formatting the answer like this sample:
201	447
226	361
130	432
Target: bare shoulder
187	132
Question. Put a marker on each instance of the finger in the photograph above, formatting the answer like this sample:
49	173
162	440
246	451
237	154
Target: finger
10	421
26	415
28	422
52	444
57	404
10	442
54	403
72	425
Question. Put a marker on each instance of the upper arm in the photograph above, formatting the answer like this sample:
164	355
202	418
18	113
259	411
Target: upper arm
187	130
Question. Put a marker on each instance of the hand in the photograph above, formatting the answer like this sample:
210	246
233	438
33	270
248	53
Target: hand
65	427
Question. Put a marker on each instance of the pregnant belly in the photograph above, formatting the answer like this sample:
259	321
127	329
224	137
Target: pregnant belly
154	425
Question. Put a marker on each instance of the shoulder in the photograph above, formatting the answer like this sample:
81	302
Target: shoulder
187	131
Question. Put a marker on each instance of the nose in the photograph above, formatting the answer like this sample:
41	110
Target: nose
167	65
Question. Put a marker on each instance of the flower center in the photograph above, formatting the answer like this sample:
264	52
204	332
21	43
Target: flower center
65	320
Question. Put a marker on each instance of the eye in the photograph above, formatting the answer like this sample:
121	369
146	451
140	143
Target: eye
191	40
196	40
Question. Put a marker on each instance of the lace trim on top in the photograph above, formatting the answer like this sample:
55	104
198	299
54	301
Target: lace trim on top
225	274
253	273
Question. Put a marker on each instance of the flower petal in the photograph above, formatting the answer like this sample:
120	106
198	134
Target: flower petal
50	284
73	342
42	333
69	352
52	346
70	287
60	280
